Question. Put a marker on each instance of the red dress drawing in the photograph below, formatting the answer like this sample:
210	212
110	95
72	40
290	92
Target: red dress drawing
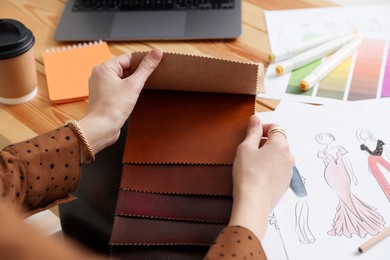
375	159
352	215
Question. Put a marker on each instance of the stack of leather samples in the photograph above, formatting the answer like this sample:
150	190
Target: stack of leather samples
176	184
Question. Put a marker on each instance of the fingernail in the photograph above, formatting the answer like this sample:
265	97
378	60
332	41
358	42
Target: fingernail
156	53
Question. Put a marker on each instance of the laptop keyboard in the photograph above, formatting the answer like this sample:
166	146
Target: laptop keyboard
149	5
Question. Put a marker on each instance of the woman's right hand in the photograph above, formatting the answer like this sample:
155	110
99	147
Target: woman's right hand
113	93
261	175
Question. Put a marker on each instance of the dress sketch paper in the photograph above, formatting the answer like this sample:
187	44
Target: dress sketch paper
341	154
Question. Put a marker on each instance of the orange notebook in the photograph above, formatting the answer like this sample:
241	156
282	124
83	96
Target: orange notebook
68	69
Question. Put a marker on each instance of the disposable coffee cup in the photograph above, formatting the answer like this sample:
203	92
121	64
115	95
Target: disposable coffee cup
18	77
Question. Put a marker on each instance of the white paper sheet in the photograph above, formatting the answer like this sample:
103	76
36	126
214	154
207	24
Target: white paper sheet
303	123
46	221
272	242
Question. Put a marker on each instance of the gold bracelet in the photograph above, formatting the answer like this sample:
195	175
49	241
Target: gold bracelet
77	129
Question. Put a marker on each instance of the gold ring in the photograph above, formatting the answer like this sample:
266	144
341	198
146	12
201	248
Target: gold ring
277	129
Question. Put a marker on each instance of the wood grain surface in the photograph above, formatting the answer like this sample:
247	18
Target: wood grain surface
38	116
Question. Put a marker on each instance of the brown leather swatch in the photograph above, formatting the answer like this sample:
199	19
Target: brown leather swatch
187	127
142	231
203	74
173	207
178	179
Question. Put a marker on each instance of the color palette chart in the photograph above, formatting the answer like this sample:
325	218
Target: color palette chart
386	77
365	75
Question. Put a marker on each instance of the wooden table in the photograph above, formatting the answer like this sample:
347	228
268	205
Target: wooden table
38	116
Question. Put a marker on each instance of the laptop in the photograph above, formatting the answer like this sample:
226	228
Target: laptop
123	20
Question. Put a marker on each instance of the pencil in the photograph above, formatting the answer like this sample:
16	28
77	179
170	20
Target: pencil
312	55
306	45
374	240
329	65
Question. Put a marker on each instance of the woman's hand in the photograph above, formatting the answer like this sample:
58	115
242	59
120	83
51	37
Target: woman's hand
261	175
113	94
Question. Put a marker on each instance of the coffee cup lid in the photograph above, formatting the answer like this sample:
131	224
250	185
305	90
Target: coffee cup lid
15	38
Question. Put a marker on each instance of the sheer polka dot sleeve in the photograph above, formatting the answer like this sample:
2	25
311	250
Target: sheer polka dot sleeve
235	242
41	172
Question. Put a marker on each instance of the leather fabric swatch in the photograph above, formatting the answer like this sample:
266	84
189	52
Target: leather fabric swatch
176	185
143	231
173	207
179	127
203	74
178	179
165	252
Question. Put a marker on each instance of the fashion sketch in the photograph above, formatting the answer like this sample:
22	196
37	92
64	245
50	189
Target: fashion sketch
272	221
301	208
377	155
353	216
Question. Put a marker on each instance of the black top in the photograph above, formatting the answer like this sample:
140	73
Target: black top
15	38
378	150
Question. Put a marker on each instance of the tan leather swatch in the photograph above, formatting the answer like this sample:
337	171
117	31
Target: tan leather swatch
142	231
187	127
203	74
178	179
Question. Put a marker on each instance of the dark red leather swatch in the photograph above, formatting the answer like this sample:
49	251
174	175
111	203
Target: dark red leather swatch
143	231
178	179
191	208
182	127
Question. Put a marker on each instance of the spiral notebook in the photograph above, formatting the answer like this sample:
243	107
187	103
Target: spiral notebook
68	69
